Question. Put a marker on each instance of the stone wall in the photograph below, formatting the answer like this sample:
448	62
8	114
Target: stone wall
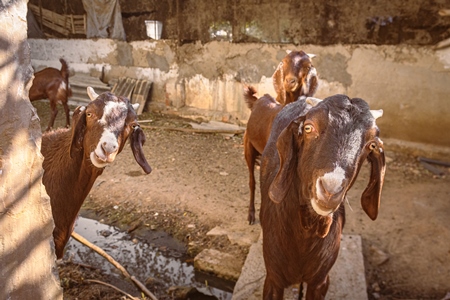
409	83
27	259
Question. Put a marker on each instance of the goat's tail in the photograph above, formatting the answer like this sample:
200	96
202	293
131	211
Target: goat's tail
65	74
249	95
64	69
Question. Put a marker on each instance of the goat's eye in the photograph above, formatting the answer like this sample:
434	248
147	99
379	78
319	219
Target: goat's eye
89	115
372	146
308	128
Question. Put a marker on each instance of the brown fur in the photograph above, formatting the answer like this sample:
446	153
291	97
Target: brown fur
256	135
300	245
47	84
295	76
68	171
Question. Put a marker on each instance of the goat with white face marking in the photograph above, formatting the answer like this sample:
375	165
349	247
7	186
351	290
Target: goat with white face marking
74	158
312	158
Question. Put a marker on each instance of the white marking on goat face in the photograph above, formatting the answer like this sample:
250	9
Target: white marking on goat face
351	152
110	109
307	80
113	120
326	186
349	148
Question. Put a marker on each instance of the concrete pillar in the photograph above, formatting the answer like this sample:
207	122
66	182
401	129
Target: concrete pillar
27	260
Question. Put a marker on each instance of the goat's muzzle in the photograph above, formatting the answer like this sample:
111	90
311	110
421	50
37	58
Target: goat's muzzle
291	84
329	192
101	158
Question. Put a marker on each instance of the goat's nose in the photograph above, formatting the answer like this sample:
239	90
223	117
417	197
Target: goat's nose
330	187
110	149
291	80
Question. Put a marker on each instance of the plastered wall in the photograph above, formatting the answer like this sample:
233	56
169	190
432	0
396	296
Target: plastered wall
411	84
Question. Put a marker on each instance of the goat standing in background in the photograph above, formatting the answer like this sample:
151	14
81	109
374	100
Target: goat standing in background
53	84
295	76
313	156
74	158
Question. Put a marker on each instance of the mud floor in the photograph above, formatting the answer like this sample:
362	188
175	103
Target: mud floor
199	181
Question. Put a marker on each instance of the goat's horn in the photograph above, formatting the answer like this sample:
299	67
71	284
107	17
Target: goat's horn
313	101
91	93
377	113
135	106
311	55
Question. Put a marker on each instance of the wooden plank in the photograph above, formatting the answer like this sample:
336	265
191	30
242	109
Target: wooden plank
124	87
434	161
140	94
433	169
442	44
64	24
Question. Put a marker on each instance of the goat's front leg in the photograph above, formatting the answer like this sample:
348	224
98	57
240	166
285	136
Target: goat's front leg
317	291
271	291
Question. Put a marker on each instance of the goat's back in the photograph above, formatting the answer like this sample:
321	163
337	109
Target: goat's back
264	110
47	83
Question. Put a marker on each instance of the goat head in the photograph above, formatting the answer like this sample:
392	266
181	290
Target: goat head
110	121
295	76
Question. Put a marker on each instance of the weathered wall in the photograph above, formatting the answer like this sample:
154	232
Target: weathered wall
27	260
320	22
409	83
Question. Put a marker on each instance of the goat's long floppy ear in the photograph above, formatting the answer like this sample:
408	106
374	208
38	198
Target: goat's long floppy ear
370	199
78	129
277	79
137	140
287	150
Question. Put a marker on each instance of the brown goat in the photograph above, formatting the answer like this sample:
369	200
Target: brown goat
312	158
74	158
256	135
53	84
295	76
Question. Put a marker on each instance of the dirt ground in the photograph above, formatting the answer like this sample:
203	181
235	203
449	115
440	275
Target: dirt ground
199	181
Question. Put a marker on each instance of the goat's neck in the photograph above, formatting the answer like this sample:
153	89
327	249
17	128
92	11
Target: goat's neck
87	175
292	96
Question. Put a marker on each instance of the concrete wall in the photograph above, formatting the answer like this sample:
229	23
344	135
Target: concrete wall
411	84
27	259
